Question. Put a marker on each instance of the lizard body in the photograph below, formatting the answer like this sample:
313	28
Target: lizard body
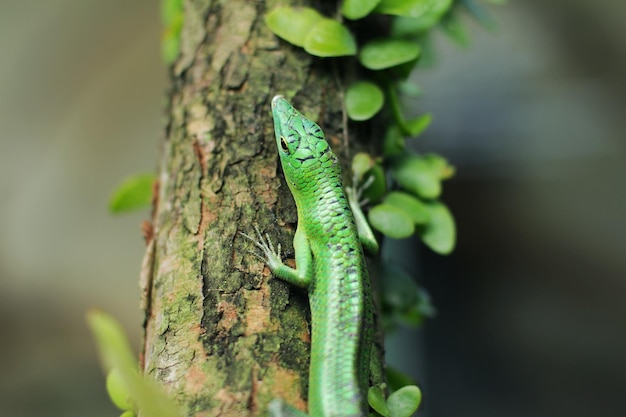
330	264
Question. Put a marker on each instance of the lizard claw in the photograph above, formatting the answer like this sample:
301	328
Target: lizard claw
270	254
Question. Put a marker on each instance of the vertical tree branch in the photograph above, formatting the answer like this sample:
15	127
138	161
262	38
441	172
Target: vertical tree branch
220	334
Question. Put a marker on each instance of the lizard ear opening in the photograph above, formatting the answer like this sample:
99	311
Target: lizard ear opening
283	144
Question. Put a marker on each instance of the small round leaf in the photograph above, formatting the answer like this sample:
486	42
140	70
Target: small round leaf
440	165
393	142
439	234
170	46
405	401
361	163
413	8
417	176
378	187
363	100
329	38
391	221
133	193
416	126
403	27
376	400
365	167
410	89
293	24
412	317
171	10
357	9
415	208
387	53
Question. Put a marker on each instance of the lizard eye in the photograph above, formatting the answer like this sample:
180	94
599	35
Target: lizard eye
283	144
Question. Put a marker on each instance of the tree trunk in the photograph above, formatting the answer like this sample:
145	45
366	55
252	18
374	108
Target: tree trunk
221	334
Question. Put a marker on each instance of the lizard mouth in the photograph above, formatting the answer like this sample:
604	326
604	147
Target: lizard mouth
276	99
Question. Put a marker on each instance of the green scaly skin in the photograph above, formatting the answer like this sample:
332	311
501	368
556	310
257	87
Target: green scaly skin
330	264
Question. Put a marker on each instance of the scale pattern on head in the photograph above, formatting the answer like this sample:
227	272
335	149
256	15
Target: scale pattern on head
304	152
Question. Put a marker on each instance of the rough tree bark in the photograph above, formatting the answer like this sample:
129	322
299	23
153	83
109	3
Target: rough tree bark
220	334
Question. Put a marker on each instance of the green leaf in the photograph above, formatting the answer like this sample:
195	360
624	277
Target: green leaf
440	165
402	298
415	208
405	401
363	100
416	126
455	30
361	163
172	15
413	8
416	175
439	233
387	53
365	167
393	142
397	379
376	400
410	89
305	27
391	221
412	317
378	187
128	413
413	24
118	391
403	27
357	9
330	38
133	193
171	10
115	352
422	308
170	44
424	305
293	24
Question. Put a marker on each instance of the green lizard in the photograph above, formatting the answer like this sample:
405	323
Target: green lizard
330	264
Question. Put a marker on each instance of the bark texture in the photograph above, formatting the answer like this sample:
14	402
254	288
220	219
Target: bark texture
221	334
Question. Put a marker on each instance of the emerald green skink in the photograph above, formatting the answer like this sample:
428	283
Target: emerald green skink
330	264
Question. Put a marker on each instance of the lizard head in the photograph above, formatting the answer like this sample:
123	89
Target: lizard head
302	148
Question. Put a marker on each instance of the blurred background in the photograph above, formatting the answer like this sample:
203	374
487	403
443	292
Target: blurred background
532	305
